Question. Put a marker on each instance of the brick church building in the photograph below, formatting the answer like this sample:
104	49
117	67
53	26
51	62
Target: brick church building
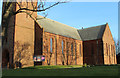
59	43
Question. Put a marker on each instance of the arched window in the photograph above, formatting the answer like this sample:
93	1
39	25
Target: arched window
75	54
111	50
51	45
75	49
106	49
92	49
80	49
62	47
67	47
72	48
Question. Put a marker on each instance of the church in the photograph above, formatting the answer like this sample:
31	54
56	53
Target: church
27	41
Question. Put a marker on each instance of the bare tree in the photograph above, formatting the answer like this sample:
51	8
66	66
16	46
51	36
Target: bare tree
117	46
64	58
21	52
73	56
48	55
9	11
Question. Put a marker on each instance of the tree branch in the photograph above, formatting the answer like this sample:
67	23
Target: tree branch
18	4
36	10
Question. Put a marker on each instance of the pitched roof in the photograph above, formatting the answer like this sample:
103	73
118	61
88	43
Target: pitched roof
57	28
92	33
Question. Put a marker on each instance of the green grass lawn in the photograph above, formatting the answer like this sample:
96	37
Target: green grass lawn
64	71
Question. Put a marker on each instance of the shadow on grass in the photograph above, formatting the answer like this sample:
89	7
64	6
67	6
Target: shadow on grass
53	67
29	68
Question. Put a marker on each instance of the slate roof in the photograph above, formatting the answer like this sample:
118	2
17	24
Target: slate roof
92	33
55	27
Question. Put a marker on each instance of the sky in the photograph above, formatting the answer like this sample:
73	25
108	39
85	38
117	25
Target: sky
85	14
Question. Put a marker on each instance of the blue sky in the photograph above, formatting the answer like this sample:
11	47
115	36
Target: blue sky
86	14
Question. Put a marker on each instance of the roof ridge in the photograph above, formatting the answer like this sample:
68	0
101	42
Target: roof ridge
93	27
92	33
55	27
57	22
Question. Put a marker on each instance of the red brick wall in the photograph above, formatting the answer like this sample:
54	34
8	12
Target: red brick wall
23	29
93	52
38	41
104	53
109	47
24	35
57	58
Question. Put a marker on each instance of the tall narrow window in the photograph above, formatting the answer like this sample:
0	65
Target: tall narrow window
51	45
106	49
72	48
97	48
67	51
66	45
62	47
111	51
92	49
75	54
80	49
75	49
